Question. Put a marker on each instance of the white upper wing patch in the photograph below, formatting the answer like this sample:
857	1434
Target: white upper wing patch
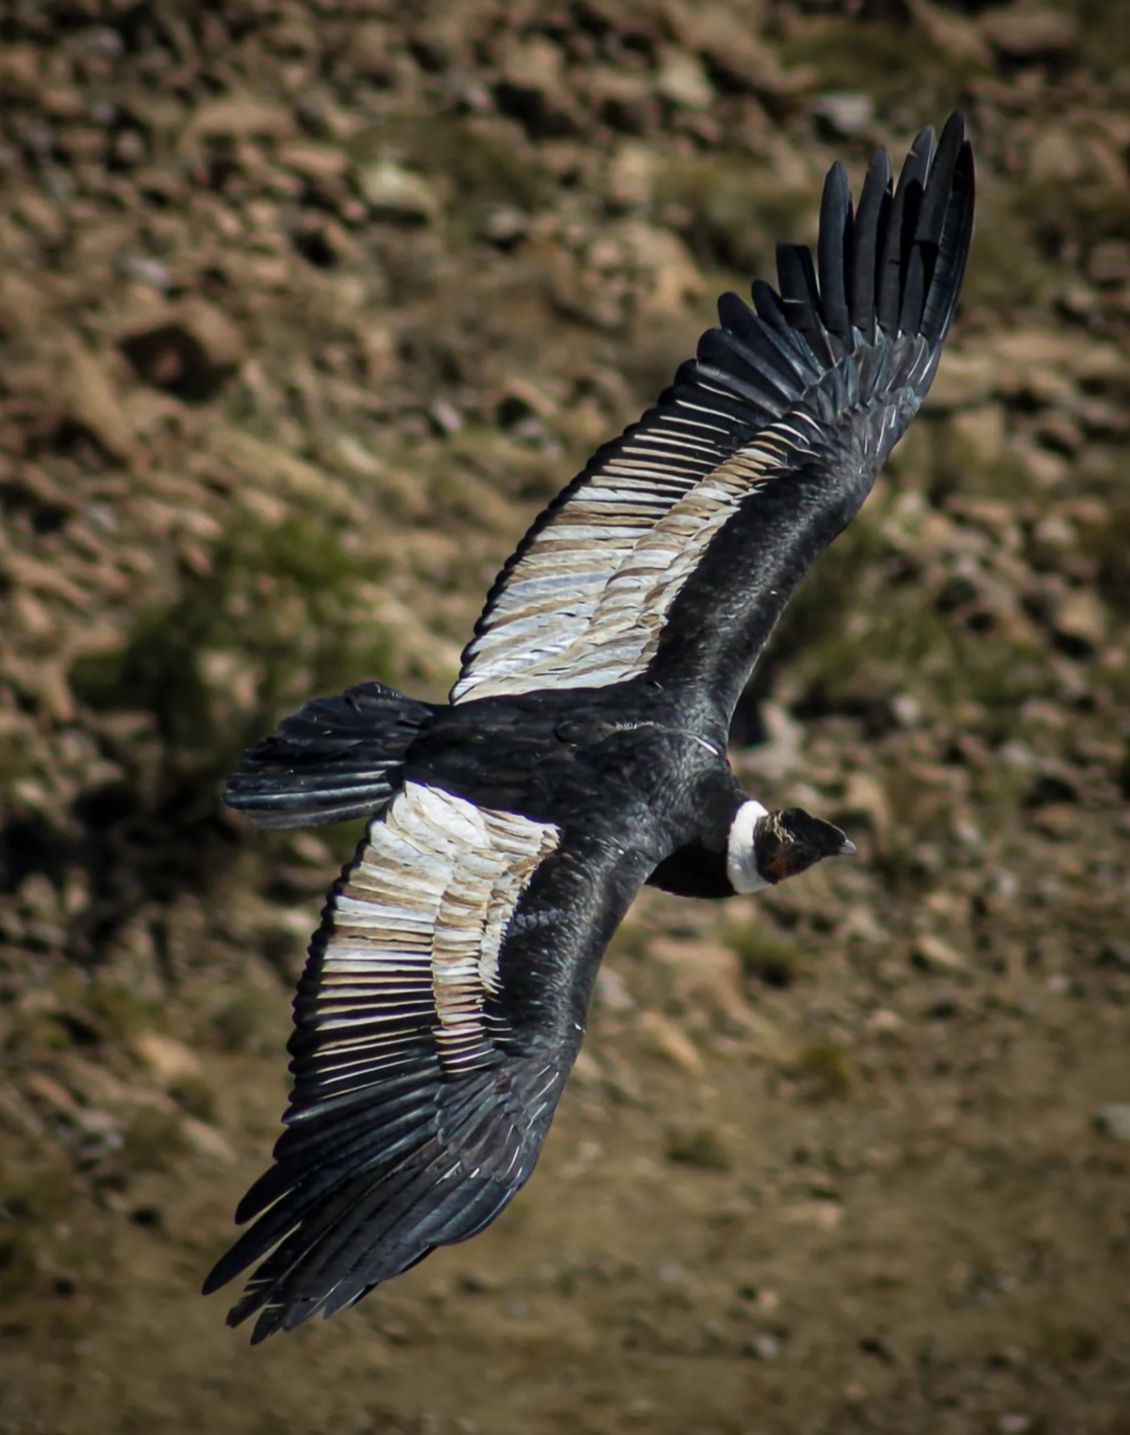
586	604
416	927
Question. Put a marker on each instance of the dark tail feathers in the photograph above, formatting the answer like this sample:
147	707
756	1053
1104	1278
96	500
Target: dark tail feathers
334	759
889	271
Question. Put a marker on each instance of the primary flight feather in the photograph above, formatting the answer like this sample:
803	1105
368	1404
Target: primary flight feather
582	753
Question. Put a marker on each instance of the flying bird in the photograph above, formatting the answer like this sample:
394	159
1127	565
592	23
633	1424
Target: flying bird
582	753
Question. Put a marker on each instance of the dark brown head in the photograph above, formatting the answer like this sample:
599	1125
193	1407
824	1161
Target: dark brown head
766	847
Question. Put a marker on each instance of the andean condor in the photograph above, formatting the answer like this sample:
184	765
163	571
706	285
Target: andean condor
582	754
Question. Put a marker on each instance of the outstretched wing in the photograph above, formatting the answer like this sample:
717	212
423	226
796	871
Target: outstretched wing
676	549
441	1009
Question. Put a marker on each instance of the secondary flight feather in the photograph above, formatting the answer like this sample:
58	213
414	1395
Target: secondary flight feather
581	755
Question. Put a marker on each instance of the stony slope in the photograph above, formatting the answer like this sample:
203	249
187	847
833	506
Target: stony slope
306	308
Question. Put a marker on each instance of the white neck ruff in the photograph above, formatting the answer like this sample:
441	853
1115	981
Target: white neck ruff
741	858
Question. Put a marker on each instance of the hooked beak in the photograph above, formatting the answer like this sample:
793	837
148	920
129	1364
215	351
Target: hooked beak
847	848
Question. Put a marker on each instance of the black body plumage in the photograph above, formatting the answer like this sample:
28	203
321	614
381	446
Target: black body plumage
582	753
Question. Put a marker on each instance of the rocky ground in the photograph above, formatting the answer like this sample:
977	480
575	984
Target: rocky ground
306	309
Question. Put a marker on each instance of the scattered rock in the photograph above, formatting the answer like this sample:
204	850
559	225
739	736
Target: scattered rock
1056	156
982	433
147	270
321	164
1113	1120
823	1214
780	752
52	1094
534	64
322	240
445	416
624	99
240	117
531	88
587	1070
955	35
1082	620
965	378
631	173
1025	33
765	1346
660	262
611	990
204	1140
885	1022
683	81
90	399
934	954
731	42
864	801
189	350
504	225
845	114
663	1038
99	1134
395	193
169	1060
1060	821
707	980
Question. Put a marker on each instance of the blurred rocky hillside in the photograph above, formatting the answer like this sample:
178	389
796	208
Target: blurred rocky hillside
306	308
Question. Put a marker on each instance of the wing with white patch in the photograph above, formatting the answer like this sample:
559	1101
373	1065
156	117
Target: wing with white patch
802	400
440	1012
